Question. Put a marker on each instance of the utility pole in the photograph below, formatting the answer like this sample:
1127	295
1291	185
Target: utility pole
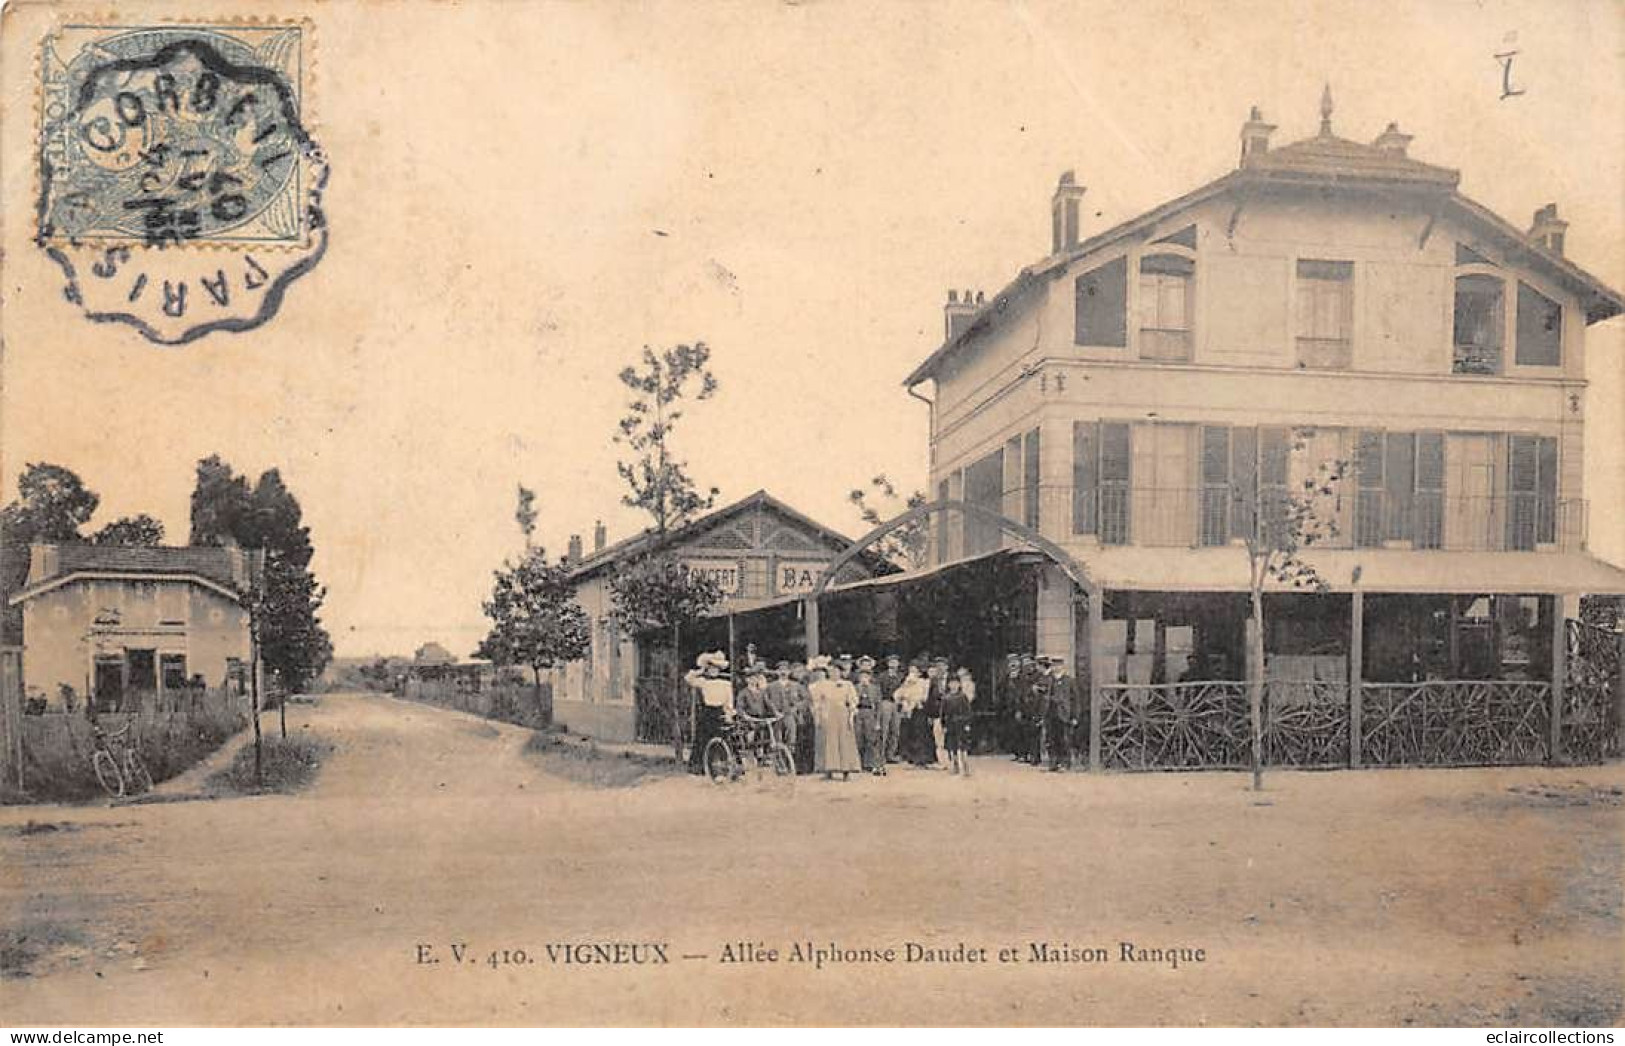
256	673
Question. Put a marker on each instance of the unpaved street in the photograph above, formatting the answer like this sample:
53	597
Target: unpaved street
1461	897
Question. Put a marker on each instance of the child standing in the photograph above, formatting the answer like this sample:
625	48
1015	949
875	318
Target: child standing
956	726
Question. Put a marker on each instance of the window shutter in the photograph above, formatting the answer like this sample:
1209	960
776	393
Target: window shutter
1030	474
1523	487
1085	471
1369	459
1274	463
1244	481
1213	527
1101	315
1546	516
943	552
1429	490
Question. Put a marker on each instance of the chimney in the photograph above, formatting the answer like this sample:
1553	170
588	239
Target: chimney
1392	140
1547	229
574	555
1064	213
600	536
959	312
1255	136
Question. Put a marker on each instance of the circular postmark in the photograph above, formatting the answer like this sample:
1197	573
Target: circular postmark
179	190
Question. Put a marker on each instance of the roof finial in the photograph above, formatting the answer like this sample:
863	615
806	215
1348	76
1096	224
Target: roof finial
1326	110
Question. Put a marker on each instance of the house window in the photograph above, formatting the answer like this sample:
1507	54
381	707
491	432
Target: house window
1029	481
1479	325
1540	329
1274	464
1385	466
1167	283
1101	314
1428	519
1325	314
1101	466
1531	491
172	671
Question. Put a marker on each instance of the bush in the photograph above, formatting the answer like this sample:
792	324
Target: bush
288	765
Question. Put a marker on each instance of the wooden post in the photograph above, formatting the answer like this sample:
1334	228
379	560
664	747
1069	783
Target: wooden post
1096	627
809	620
1619	689
1356	676
1560	669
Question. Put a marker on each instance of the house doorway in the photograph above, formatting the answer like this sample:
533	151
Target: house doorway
109	683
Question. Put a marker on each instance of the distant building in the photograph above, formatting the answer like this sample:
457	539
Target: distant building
759	550
111	621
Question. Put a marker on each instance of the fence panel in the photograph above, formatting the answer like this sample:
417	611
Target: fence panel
1596	657
1456	723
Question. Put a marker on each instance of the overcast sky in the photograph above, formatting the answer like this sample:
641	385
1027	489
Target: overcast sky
524	195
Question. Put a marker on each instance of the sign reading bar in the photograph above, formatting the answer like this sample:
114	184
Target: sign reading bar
725	572
798	578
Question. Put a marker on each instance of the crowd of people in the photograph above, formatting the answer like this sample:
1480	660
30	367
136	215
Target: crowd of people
844	715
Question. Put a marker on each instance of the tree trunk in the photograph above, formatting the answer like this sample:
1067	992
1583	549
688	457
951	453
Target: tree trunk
282	716
1255	687
254	682
676	693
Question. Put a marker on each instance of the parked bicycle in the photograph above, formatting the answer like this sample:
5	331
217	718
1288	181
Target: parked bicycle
117	764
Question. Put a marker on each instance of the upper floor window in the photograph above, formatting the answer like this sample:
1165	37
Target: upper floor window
1102	305
1167	294
1480	326
1325	301
1540	329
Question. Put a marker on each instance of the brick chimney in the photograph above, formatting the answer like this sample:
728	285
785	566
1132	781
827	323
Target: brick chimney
1547	229
959	311
600	536
1064	213
574	553
1392	140
1255	136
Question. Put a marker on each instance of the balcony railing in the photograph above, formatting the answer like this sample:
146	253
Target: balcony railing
1476	358
1195	517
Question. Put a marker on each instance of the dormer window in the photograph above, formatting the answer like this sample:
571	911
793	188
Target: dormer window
1480	324
1540	329
1325	304
1167	294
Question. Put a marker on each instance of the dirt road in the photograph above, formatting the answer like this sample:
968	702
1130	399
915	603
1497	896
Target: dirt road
1459	897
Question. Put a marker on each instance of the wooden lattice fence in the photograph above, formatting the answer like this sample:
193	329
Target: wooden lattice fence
1456	723
1591	698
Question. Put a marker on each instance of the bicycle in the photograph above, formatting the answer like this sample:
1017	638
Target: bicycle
119	776
747	735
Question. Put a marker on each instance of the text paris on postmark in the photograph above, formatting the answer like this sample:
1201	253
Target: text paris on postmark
180	191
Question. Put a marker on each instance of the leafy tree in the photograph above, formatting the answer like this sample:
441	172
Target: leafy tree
287	599
52	504
524	513
139	530
909	544
1285	524
657	482
535	619
654	592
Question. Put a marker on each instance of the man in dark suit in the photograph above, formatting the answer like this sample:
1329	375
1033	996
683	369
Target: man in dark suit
1063	711
891	720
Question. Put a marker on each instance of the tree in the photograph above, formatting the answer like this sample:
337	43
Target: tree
1284	525
52	504
535	619
287	599
138	531
524	513
654	591
910	543
657	482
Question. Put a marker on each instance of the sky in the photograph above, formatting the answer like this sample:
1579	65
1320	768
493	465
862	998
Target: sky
525	194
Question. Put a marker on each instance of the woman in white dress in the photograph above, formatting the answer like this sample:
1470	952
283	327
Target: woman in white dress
835	710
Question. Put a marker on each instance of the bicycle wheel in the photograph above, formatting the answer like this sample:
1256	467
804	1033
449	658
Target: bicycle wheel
107	773
720	764
784	764
135	772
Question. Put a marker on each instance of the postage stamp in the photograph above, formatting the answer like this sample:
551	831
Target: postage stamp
180	188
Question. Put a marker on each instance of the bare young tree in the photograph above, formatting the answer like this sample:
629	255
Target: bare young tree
909	545
1285	524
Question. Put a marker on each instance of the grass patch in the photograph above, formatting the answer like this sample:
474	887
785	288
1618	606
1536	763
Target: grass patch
288	765
589	765
22	947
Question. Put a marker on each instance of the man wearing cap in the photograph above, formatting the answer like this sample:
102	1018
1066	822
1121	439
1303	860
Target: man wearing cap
868	721
1010	706
937	678
891	715
716	704
1035	690
1063	714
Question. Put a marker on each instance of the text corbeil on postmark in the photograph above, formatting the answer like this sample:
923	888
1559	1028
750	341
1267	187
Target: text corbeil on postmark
180	190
